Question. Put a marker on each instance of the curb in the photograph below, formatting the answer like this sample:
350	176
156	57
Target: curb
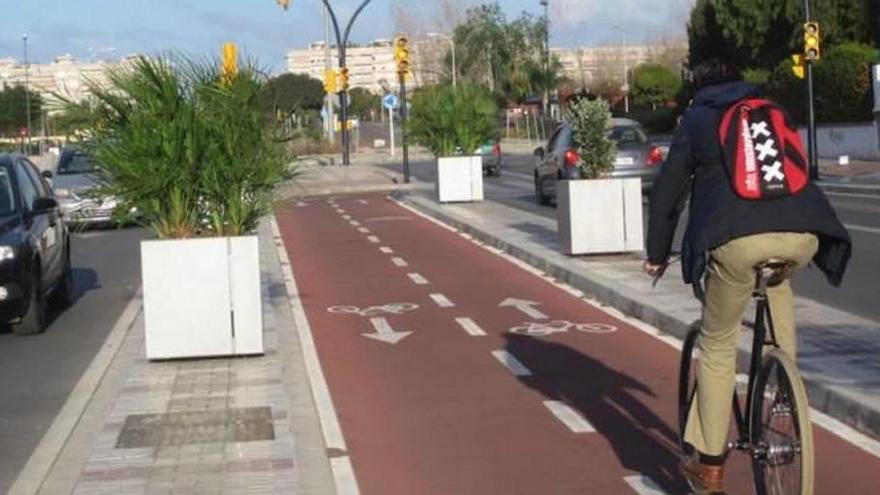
850	188
826	398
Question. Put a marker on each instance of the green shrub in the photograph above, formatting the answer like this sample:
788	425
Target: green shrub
590	121
190	152
449	120
843	83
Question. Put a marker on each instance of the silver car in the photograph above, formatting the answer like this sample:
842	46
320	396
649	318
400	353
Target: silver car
74	183
558	160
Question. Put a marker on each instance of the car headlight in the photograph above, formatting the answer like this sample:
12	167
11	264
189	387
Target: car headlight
7	253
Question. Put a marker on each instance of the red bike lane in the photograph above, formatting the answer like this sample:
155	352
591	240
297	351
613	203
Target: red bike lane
463	404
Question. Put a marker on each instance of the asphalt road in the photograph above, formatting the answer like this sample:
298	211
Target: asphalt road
443	384
861	287
38	372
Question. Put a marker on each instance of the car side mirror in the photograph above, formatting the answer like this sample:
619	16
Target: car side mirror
539	152
47	174
43	205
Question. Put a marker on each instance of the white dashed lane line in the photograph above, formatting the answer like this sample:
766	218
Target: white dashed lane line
399	261
511	363
386	250
363	230
442	301
471	327
355	223
569	417
418	279
373	239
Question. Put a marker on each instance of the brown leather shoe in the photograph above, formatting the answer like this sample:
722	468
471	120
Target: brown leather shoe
703	479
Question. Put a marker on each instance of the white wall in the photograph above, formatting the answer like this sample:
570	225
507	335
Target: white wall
859	141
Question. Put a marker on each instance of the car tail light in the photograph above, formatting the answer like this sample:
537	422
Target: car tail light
572	158
496	150
655	157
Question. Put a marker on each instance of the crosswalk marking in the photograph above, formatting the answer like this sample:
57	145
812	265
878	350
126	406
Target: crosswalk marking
511	363
471	327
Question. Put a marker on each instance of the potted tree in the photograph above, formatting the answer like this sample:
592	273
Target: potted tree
453	123
596	213
188	148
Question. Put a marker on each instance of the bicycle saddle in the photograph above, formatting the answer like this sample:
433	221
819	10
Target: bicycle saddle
773	271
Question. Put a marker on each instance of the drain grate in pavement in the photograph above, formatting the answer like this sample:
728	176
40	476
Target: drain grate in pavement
192	427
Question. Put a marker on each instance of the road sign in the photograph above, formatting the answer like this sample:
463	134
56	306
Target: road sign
390	101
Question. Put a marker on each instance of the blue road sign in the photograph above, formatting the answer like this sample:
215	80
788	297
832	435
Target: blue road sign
389	101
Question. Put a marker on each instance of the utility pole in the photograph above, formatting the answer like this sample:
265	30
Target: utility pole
811	57
546	99
328	66
27	92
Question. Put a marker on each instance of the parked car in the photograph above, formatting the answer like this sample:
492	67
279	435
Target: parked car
34	247
558	160
490	151
74	183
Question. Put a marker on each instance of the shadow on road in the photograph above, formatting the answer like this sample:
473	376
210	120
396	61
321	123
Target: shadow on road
607	398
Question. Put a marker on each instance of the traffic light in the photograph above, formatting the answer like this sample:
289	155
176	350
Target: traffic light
230	62
812	41
285	4
401	54
330	81
343	79
797	66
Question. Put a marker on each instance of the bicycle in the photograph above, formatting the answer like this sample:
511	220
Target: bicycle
775	401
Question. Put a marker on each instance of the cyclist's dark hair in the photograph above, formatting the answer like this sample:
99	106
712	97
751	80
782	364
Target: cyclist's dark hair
714	71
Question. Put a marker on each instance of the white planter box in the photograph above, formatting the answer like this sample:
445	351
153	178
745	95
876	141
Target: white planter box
202	297
459	178
600	216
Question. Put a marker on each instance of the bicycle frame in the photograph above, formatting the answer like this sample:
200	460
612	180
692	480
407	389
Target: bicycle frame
763	329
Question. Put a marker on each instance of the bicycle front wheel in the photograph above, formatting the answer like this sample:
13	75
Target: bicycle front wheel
782	434
687	385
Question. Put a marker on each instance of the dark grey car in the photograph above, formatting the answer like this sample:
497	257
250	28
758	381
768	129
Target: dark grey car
558	160
74	183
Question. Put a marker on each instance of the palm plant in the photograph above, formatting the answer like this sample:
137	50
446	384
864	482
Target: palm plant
451	121
189	151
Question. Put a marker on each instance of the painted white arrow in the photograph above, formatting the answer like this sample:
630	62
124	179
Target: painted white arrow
384	332
524	306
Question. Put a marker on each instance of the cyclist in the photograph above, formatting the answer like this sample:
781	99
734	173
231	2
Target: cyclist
726	237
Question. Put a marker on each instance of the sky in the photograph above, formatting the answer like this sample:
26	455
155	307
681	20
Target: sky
110	29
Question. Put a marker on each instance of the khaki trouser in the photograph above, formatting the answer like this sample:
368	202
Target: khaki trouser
729	283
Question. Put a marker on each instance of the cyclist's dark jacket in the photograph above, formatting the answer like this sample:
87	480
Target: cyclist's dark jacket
717	215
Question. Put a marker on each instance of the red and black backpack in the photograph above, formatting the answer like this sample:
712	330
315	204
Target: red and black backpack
762	152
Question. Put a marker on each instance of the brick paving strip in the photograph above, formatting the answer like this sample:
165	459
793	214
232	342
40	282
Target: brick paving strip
213	426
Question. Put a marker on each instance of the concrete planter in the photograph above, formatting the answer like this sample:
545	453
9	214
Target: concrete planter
600	216
202	297
459	178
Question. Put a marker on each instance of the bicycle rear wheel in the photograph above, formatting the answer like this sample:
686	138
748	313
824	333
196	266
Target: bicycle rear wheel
781	430
687	385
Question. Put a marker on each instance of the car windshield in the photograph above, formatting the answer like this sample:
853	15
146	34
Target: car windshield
75	163
7	198
627	135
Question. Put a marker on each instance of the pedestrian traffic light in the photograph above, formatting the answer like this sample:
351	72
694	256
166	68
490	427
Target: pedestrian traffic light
401	54
285	4
343	79
230	63
812	41
797	65
330	81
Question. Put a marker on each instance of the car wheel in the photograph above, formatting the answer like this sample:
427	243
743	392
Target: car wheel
63	296
34	319
497	171
540	197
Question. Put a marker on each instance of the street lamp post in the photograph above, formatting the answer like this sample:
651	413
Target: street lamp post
545	3
623	59
27	91
452	44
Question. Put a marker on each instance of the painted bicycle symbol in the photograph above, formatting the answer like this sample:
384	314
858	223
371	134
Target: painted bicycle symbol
391	309
545	328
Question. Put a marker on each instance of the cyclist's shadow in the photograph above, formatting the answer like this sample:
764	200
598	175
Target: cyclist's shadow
643	442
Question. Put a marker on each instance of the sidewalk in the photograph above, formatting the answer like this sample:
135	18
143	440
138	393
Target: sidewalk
208	426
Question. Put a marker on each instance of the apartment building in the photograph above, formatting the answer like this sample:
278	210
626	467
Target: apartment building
587	65
370	66
65	76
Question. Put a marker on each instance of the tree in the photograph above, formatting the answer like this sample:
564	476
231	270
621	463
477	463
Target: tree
758	34
362	101
654	85
13	109
292	92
